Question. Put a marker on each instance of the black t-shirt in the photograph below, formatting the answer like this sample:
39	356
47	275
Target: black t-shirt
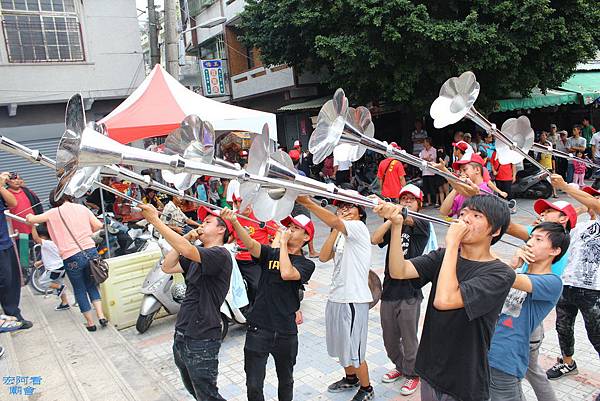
453	352
277	300
94	198
207	285
414	241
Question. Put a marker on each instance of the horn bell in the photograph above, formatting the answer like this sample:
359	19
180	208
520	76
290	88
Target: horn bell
330	126
457	96
520	133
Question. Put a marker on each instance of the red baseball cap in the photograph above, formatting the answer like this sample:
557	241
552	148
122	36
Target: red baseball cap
203	211
301	221
411	189
296	144
462	145
474	158
564	207
591	190
395	145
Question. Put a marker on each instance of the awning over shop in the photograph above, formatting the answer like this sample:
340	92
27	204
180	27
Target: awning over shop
585	83
537	99
306	105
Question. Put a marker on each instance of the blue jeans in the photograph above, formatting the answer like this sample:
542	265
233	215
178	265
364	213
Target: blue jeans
570	171
84	286
198	364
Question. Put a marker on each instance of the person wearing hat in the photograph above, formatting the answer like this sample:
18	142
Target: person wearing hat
468	288
562	213
249	268
272	325
347	310
470	168
400	300
296	151
532	296
207	271
461	149
581	280
391	176
553	135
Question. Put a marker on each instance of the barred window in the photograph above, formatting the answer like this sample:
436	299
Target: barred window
41	31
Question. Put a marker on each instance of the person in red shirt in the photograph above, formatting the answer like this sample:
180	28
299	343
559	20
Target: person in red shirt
249	268
390	175
296	152
27	203
505	174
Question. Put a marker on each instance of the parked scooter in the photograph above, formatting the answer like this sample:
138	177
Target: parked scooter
160	291
531	183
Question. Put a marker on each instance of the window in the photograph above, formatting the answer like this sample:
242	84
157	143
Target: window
41	31
250	58
213	48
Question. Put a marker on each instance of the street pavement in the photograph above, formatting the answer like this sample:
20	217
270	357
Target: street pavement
314	369
112	366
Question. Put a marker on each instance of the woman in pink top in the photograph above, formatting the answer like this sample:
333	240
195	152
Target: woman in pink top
82	223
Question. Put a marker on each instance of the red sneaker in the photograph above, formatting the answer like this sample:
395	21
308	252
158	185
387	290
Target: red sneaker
409	386
391	376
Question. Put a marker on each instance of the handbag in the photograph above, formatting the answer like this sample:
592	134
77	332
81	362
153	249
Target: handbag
98	266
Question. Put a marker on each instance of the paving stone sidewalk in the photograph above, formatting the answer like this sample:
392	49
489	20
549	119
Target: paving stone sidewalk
315	369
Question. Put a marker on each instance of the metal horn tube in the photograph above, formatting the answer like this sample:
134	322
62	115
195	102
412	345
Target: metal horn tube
538	147
17	218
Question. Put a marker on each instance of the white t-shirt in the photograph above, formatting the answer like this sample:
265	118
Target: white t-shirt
584	256
595	141
351	263
343	165
233	188
51	256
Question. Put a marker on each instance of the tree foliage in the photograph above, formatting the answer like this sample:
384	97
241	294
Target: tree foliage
403	50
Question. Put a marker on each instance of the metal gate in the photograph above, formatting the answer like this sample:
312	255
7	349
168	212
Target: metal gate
38	178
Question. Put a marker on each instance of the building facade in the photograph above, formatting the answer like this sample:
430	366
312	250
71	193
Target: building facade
51	49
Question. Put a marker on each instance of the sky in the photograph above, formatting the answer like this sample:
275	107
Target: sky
143	4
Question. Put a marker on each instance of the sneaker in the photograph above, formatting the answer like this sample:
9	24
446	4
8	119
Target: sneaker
561	369
409	386
363	395
26	324
391	376
59	291
62	306
343	385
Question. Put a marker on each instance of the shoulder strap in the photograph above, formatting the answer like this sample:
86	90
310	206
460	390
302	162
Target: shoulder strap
389	168
68	230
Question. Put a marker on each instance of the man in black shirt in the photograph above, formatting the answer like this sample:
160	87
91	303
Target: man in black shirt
272	322
400	300
207	270
469	286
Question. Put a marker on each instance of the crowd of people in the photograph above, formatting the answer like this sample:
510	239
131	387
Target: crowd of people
483	325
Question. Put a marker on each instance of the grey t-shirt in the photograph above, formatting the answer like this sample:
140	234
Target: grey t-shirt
576	142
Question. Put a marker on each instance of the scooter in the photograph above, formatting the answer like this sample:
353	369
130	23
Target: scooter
160	291
531	183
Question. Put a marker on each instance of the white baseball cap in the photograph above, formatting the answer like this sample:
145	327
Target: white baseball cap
411	189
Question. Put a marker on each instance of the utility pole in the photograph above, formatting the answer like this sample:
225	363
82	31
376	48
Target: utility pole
171	38
153	28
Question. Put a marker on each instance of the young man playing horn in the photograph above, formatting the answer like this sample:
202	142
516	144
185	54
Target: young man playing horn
533	295
207	271
469	286
272	325
400	300
581	280
347	310
563	213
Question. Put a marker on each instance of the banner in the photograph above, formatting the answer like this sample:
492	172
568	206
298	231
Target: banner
213	80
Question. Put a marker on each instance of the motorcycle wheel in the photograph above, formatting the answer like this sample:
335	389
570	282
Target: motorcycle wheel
144	321
546	190
224	326
35	280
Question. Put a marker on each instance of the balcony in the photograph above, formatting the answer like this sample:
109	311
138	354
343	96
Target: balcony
260	80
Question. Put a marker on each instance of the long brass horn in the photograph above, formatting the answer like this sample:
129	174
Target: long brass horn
348	133
455	102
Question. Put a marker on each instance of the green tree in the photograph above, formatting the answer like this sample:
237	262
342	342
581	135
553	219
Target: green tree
403	50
